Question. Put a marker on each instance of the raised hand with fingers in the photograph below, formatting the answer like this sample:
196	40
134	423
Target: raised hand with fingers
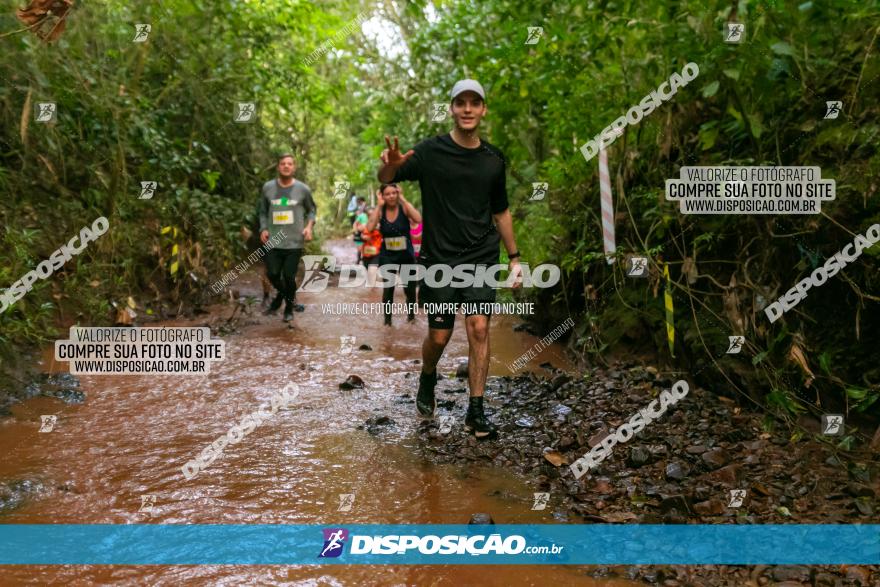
391	156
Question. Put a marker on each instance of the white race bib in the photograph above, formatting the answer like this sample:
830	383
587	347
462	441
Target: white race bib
282	217
395	243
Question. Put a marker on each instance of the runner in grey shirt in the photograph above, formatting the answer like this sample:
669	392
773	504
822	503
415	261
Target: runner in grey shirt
287	207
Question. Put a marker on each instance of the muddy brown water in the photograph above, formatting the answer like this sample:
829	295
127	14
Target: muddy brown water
133	434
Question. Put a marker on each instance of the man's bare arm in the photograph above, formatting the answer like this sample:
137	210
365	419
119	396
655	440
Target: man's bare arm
504	223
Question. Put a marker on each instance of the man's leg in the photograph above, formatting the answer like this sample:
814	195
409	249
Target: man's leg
432	350
288	280
274	261
433	347
477	327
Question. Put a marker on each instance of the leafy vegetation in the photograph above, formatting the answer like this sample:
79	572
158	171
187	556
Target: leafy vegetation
162	110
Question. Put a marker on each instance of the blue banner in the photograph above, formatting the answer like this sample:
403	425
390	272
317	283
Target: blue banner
185	544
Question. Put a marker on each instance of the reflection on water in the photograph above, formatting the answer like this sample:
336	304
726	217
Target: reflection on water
110	459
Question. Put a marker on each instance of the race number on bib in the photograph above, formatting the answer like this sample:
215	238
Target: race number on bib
395	243
285	217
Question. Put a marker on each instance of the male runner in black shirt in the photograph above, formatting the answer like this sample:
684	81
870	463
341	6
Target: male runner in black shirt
464	196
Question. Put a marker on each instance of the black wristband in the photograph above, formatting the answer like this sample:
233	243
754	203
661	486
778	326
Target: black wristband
513	255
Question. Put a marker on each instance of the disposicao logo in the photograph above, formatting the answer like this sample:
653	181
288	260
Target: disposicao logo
334	542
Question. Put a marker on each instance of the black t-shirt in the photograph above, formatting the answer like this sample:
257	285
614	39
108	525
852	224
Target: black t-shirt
461	190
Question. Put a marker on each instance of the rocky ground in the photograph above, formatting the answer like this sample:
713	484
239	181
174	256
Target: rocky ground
678	470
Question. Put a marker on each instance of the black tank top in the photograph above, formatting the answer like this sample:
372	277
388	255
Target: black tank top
397	246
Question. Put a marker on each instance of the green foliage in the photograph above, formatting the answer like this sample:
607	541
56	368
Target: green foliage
162	111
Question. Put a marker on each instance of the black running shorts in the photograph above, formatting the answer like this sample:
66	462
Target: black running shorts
469	298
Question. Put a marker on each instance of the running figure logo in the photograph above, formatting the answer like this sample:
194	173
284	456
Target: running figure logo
341	189
345	502
47	423
317	274
141	32
439	111
736	344
541	501
148	188
334	542
735	32
832	109
637	267
535	33
539	190
245	111
147	503
832	424
737	496
45	111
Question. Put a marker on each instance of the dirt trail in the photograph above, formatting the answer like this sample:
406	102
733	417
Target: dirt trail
131	436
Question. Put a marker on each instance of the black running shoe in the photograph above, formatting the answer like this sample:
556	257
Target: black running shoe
276	303
425	401
299	308
288	312
476	421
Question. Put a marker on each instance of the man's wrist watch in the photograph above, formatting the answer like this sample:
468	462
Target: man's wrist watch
513	256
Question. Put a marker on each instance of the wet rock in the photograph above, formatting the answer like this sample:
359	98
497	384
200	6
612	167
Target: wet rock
657	450
525	327
859	490
63	386
712	507
638	456
761	489
597	437
365	347
376	423
790	573
834	461
525	422
14	493
676	471
716	458
461	372
863	504
729	475
566	442
696	449
481	519
559	381
456	390
352	382
561	410
603	486
860	575
674	502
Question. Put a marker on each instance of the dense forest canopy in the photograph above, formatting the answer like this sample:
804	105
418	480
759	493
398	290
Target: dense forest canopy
330	80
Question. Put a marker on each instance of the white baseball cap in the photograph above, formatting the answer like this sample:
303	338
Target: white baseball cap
467	85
